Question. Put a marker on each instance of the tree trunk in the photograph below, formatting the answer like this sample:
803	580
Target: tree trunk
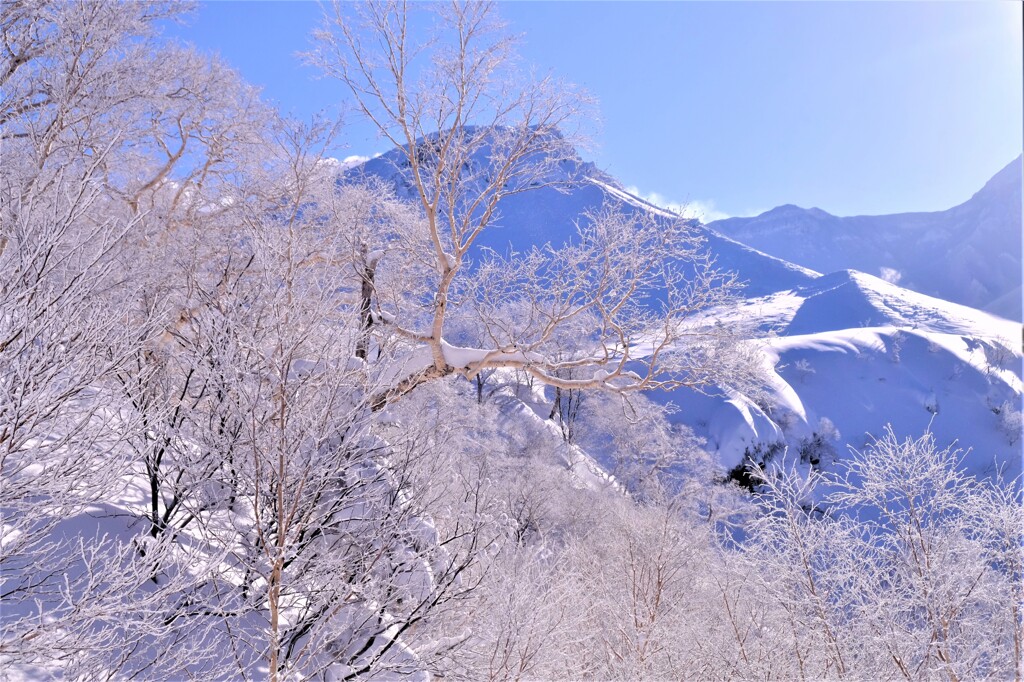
365	298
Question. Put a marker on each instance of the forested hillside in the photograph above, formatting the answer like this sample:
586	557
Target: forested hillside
263	416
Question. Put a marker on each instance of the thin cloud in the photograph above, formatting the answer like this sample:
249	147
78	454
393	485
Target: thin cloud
353	161
704	211
890	275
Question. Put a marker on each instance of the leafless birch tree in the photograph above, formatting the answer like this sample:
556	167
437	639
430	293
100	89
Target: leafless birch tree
470	130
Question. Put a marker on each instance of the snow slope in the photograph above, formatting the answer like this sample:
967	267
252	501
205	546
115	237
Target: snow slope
970	254
860	353
549	215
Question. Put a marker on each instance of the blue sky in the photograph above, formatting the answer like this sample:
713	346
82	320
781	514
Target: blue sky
735	107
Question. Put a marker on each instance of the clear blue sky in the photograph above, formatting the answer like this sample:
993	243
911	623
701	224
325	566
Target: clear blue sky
856	108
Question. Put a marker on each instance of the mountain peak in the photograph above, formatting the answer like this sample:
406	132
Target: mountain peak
787	210
1006	182
784	209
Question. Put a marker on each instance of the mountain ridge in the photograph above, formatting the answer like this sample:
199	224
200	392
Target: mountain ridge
968	254
846	352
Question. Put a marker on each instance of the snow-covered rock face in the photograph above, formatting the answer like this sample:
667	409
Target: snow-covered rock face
562	164
969	254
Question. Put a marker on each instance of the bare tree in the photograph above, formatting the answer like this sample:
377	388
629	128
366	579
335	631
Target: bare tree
469	132
945	560
84	593
276	464
899	568
647	454
63	327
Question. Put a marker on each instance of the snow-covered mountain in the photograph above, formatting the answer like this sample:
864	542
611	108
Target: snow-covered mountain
849	352
549	214
969	254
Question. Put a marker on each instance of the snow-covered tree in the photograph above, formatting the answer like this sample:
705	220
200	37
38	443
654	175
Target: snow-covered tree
951	585
900	567
469	131
65	326
190	477
205	470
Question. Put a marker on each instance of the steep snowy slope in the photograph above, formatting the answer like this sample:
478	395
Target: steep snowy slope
970	254
853	353
549	215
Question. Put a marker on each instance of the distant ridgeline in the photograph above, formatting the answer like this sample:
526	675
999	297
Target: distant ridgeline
969	254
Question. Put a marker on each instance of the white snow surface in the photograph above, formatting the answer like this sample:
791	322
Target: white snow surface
861	353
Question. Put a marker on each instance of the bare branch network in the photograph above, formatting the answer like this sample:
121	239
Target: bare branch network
237	438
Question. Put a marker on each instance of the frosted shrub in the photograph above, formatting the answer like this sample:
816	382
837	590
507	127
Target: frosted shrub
1011	421
941	567
818	448
804	369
